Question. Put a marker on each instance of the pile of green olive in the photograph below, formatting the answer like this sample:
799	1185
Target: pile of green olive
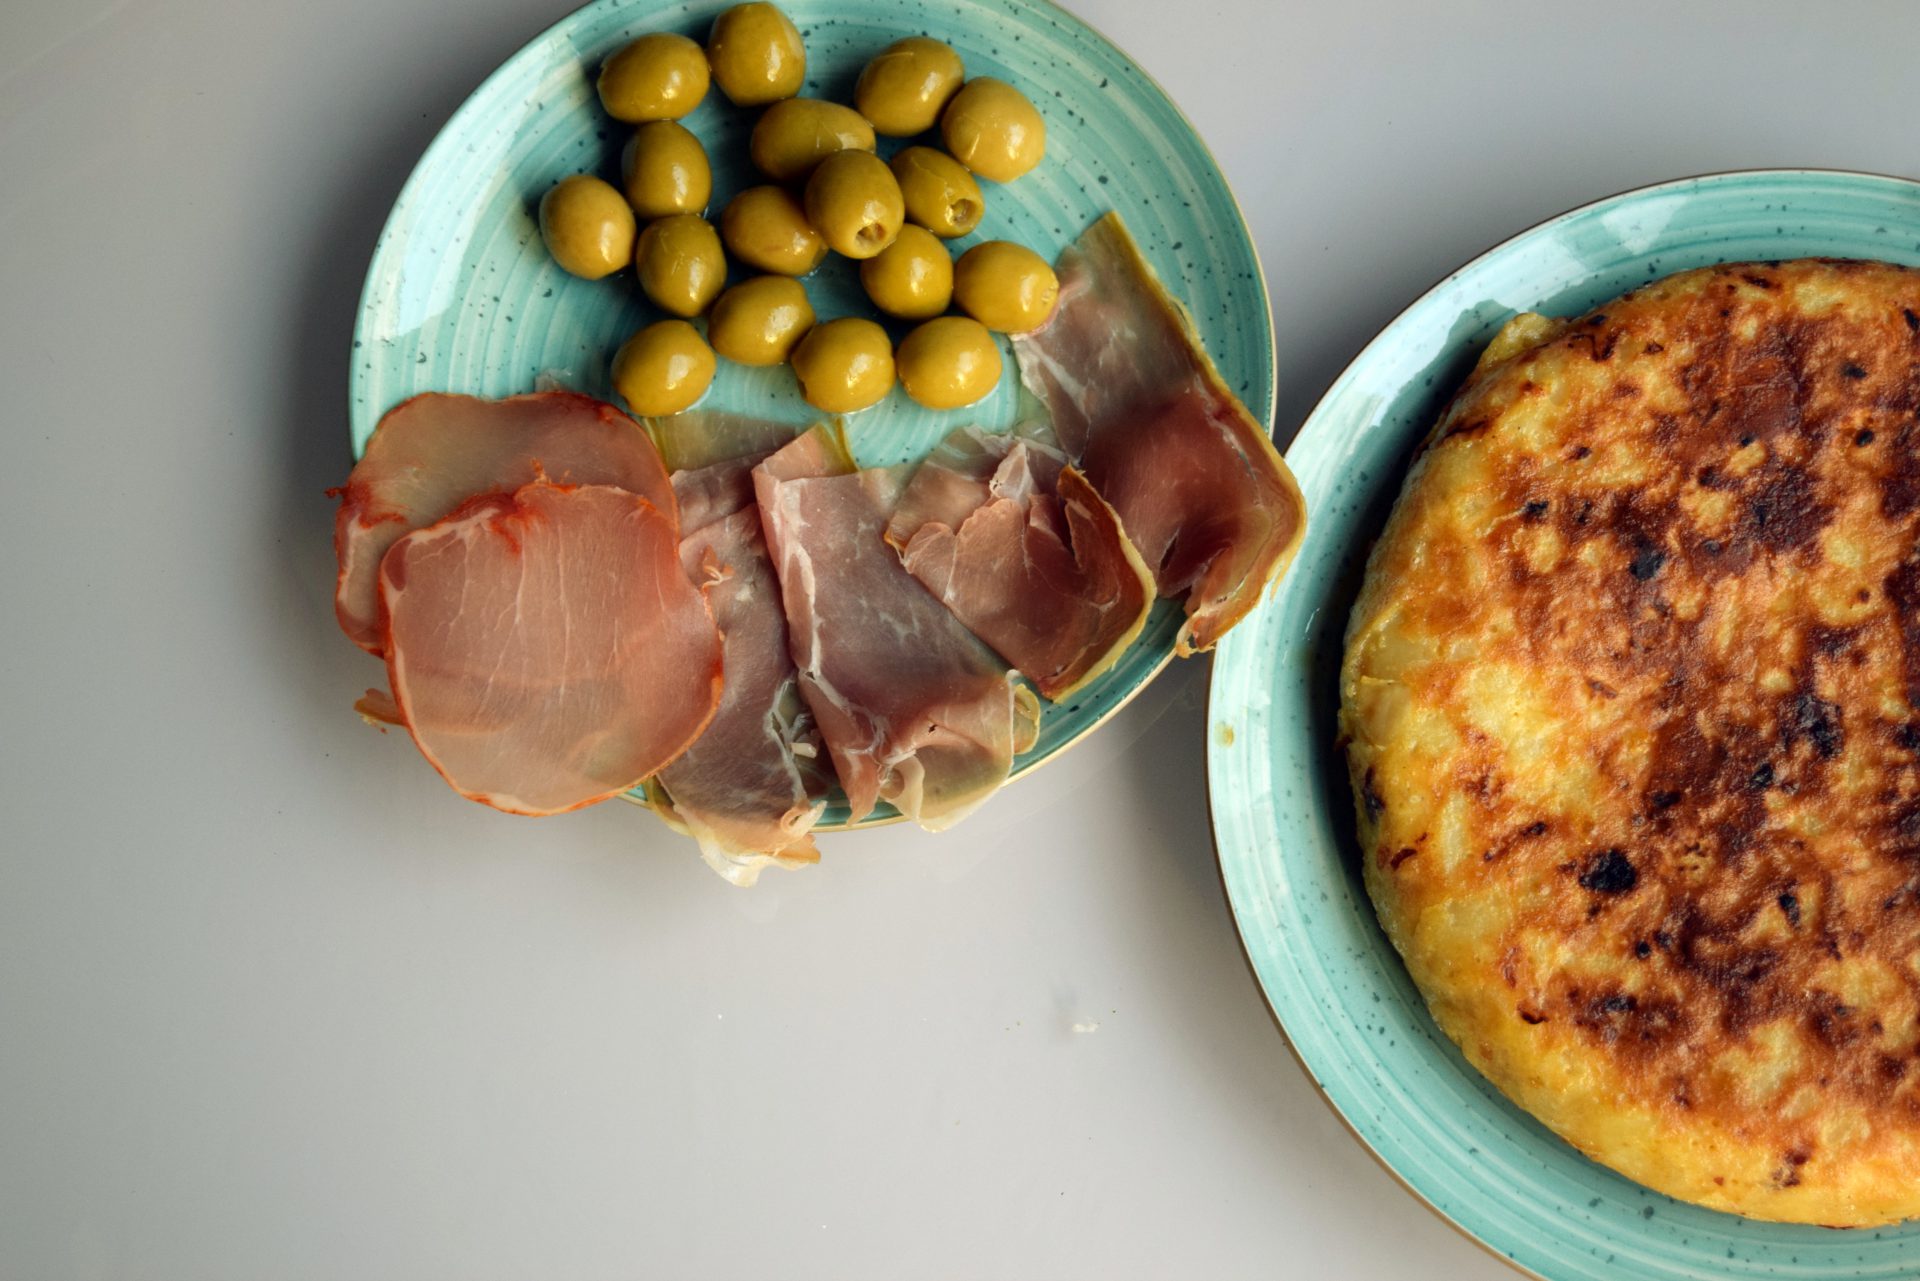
827	191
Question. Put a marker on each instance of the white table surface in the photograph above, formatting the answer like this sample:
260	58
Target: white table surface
275	1004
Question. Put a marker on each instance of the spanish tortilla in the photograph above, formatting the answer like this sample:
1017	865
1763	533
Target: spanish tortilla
1634	742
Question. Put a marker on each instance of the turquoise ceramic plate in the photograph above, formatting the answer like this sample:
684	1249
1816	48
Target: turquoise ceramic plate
1283	812
462	297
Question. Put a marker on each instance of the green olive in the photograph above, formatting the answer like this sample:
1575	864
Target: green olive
912	278
844	365
949	362
663	369
680	264
760	321
798	133
767	227
587	226
657	77
665	171
757	55
992	129
1005	286
854	203
939	193
903	90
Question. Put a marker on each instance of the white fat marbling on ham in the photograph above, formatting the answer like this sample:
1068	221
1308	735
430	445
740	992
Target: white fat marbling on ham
915	710
1199	488
752	786
1024	553
432	453
545	648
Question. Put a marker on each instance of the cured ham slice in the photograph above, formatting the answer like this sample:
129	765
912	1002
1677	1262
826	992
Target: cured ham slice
1199	487
753	785
915	710
376	708
1023	552
702	437
545	648
432	453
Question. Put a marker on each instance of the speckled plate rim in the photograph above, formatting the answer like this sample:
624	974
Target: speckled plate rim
1348	374
1261	306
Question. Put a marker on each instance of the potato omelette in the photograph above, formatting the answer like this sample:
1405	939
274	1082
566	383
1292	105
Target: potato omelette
1631	702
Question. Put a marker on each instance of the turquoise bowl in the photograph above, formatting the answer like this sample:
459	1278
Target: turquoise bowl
1282	809
461	295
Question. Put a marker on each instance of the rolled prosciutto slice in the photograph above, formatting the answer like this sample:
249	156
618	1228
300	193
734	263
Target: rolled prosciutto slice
1199	487
915	710
434	452
753	785
1026	554
545	648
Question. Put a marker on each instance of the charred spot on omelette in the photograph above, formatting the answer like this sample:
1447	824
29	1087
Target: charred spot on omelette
1632	699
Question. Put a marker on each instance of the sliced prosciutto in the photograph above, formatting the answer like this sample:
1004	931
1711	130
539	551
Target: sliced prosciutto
915	710
545	648
753	785
432	453
1199	487
1023	552
702	437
